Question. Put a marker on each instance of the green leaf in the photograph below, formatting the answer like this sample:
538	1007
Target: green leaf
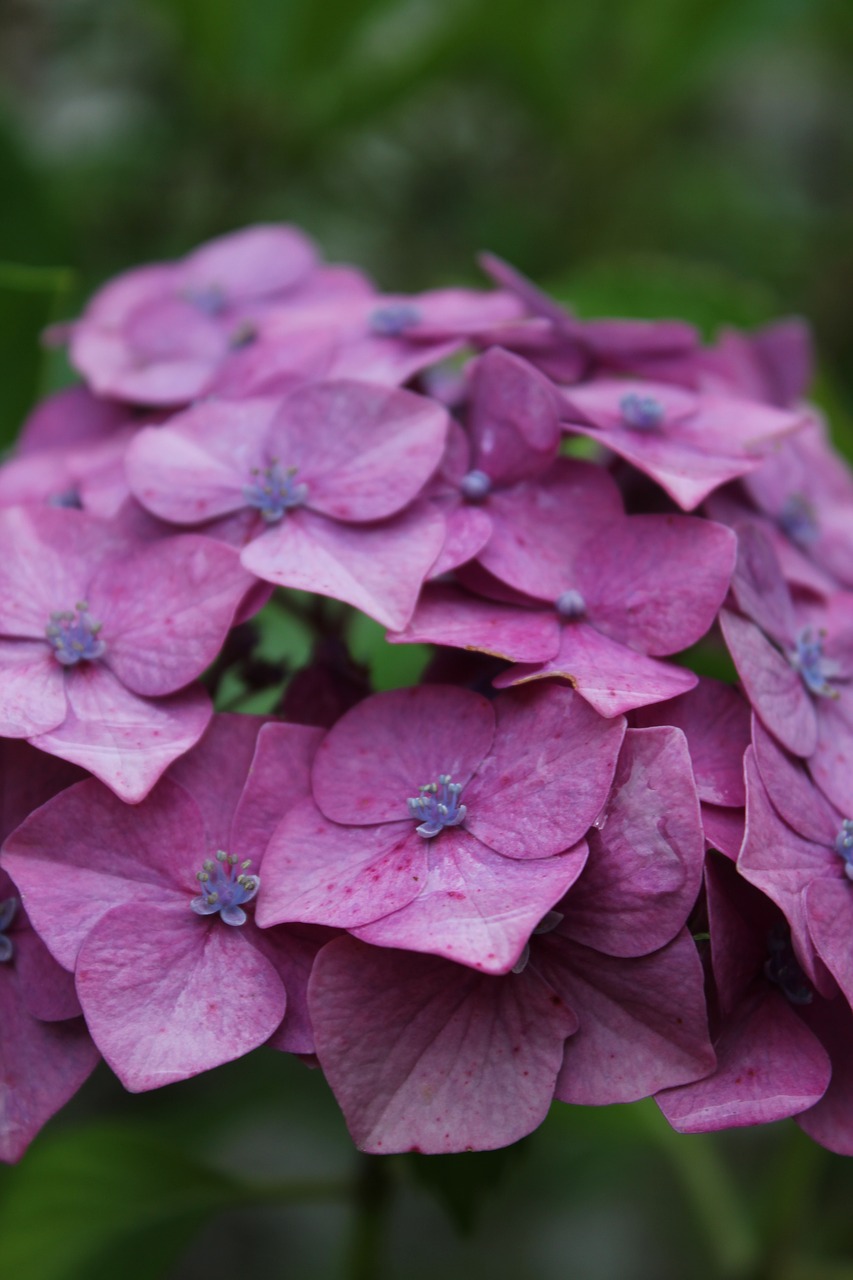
463	1184
391	666
106	1202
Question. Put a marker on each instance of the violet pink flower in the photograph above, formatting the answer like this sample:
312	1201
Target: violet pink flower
425	1054
148	905
583	592
99	635
330	475
441	822
688	443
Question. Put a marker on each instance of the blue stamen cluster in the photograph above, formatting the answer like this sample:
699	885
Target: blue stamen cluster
273	492
783	969
209	299
8	910
438	806
815	669
75	636
476	486
391	321
223	889
798	520
844	846
641	413
570	605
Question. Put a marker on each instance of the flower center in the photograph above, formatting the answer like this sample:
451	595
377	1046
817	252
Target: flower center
209	299
242	335
67	498
570	605
782	968
798	520
844	846
641	413
815	669
273	491
75	636
476	486
223	889
391	321
437	806
8	910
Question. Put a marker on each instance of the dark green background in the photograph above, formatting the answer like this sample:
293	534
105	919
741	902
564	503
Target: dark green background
649	158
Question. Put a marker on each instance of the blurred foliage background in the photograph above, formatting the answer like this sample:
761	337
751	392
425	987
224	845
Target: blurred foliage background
647	157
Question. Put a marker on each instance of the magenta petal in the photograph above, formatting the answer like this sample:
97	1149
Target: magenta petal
292	950
167	994
830	1121
319	872
547	775
42	1065
426	1055
468	529
724	829
831	766
475	907
32	689
125	741
85	852
769	1065
715	719
795	796
609	676
643	1022
758	586
656	582
646	852
166	611
214	773
772	685
378	568
540	526
513	422
254	262
829	905
279	778
446	615
385	748
47	990
365	451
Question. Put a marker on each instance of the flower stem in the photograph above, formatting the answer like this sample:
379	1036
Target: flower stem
372	1198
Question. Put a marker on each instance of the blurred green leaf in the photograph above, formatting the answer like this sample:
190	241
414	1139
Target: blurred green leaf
463	1184
391	666
30	299
106	1202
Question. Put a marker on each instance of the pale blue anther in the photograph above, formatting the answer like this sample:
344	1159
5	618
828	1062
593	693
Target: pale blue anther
74	636
783	969
570	605
844	846
816	669
67	498
391	321
476	486
799	521
438	806
224	888
8	910
641	413
209	299
545	925
273	492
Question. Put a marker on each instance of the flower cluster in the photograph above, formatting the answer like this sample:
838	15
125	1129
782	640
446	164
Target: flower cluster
561	866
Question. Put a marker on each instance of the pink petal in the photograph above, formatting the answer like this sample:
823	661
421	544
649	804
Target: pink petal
426	1055
609	676
446	615
319	872
278	779
124	740
167	994
85	852
32	689
388	746
772	685
475	907
646	851
547	775
378	568
643	1022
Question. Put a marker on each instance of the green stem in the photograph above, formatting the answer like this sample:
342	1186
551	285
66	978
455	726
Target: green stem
716	1204
372	1197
